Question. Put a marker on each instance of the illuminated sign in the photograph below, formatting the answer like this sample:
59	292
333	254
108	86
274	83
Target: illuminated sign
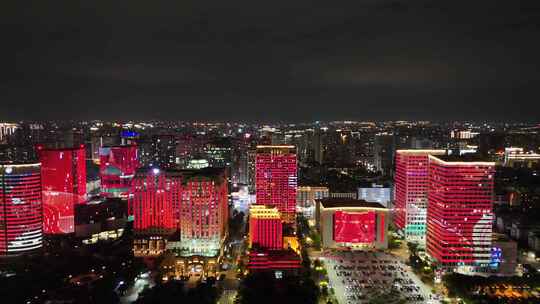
129	134
496	257
354	227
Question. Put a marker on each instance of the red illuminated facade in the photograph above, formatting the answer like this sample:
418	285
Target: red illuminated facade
265	228
276	179
152	203
460	211
58	212
63	176
194	201
285	260
354	227
411	192
203	211
117	166
63	170
21	212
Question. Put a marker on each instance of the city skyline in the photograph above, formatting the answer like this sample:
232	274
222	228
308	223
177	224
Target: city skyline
247	152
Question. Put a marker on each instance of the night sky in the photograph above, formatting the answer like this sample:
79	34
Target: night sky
271	60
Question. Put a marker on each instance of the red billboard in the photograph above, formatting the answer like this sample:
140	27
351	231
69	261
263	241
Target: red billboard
117	167
354	227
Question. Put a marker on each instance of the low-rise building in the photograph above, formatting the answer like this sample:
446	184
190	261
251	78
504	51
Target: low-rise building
376	193
278	261
305	199
352	224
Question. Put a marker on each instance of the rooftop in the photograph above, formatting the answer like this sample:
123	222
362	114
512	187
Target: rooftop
45	148
275	255
422	151
348	203
7	163
464	159
119	146
208	172
280	149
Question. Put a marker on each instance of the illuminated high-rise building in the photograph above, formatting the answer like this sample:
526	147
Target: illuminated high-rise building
460	211
265	228
153	205
63	169
276	179
194	201
63	176
411	192
117	166
203	211
152	202
21	210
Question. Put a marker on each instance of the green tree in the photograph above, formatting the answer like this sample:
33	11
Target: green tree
263	287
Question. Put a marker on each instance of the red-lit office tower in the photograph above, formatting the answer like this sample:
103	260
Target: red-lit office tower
117	166
411	194
265	228
203	211
151	203
21	212
275	179
63	176
460	211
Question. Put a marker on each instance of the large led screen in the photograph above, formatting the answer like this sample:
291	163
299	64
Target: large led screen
354	227
58	212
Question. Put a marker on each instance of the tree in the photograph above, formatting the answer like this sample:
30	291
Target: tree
174	292
263	287
316	238
413	248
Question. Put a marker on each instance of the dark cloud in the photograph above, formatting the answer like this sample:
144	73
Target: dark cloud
274	60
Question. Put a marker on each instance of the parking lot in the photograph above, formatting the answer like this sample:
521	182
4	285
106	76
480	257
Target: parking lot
359	276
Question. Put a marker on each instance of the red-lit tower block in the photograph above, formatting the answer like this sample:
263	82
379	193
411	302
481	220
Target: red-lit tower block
63	176
117	166
203	211
196	201
63	170
411	182
21	212
276	179
151	203
460	211
265	228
